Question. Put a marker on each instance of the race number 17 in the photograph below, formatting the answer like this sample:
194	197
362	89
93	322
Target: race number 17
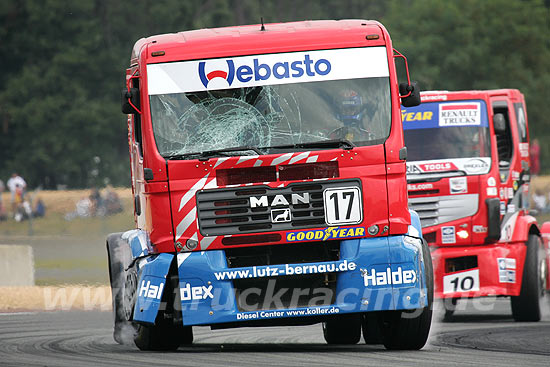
343	205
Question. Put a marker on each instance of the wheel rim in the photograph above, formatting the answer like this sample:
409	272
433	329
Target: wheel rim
130	294
543	274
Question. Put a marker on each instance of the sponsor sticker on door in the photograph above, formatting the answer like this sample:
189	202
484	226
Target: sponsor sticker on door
448	234
506	270
458	185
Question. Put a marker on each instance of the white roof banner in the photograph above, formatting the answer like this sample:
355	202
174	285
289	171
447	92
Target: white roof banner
471	166
270	69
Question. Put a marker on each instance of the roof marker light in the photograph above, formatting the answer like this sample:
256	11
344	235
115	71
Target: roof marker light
372	37
157	53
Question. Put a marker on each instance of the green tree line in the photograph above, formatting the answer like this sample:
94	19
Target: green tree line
62	66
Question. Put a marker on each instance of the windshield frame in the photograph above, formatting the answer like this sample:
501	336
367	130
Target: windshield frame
387	97
426	116
431	118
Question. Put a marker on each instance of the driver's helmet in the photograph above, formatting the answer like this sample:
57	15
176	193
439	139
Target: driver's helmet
349	107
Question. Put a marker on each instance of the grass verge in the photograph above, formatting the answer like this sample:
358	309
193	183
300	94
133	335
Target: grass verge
58	298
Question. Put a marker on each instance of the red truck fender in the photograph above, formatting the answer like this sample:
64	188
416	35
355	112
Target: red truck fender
525	225
545	231
545	234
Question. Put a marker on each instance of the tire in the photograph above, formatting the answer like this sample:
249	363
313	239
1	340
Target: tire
124	330
371	328
343	329
164	336
449	305
186	335
527	306
168	332
409	329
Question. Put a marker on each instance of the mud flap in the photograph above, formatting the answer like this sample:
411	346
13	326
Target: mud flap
138	242
411	250
150	287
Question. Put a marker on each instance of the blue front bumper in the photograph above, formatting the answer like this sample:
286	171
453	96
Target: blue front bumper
373	274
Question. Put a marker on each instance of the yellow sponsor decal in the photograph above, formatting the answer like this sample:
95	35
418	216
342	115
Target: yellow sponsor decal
330	233
416	116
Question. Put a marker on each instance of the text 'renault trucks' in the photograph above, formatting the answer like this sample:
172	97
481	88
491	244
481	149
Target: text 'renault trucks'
468	179
269	177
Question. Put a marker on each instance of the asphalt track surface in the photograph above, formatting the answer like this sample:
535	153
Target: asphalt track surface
477	338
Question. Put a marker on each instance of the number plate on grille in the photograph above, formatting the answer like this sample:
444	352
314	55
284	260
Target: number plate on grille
343	205
461	282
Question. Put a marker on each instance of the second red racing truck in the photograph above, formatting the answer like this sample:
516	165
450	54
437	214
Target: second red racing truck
468	179
268	171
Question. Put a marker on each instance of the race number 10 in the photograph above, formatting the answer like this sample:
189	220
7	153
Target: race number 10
466	281
343	205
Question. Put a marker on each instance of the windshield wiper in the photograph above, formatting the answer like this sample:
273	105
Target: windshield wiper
335	143
207	154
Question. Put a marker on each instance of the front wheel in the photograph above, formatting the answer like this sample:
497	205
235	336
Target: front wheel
343	329
371	328
118	258
449	305
168	332
527	306
164	336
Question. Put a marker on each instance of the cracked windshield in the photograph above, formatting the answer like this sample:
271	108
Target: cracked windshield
269	101
357	110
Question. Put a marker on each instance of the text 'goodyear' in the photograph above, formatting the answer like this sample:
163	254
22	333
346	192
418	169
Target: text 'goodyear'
330	233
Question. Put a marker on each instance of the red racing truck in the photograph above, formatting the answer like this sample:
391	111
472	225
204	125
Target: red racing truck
468	179
269	177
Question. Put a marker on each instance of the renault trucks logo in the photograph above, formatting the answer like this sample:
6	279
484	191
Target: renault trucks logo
259	71
459	114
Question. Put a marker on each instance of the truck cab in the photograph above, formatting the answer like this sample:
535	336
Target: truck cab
468	179
269	177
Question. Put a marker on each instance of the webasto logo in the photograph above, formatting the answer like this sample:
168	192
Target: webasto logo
261	71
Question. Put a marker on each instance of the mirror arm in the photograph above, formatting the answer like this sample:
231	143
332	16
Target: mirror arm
409	87
129	94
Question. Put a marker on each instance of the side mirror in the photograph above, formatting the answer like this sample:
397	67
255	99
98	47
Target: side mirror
133	96
410	94
493	219
499	123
